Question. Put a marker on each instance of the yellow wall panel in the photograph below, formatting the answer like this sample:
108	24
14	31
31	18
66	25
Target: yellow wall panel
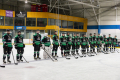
2	13
6	27
35	28
13	13
72	30
52	27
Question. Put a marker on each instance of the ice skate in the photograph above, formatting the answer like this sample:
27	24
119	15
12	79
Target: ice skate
4	62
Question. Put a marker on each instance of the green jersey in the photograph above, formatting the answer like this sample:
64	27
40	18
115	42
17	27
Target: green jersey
46	41
99	39
69	39
94	39
7	39
77	40
18	41
114	41
105	40
83	41
109	39
91	40
37	39
63	40
55	40
74	40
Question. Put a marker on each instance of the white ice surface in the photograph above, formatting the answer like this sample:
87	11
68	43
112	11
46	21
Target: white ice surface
100	67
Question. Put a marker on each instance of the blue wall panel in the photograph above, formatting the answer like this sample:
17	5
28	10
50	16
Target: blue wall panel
99	27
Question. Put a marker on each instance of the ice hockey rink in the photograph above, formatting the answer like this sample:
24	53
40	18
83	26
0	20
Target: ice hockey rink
99	67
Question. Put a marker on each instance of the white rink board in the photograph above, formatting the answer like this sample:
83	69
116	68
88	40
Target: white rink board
100	67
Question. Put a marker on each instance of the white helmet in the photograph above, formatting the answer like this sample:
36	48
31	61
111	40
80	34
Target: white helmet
46	34
101	34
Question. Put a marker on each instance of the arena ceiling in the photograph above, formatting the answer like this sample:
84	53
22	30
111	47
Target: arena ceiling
80	8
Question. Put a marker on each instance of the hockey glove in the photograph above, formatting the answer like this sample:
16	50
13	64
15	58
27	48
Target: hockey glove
33	44
15	46
5	45
23	45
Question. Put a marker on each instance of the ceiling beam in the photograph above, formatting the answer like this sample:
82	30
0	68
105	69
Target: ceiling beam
78	2
48	5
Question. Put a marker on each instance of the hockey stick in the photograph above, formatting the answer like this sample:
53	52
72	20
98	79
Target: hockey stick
117	50
65	56
75	56
2	66
25	60
49	55
14	59
79	54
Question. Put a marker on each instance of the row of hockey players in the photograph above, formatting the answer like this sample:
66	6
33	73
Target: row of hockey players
68	42
65	43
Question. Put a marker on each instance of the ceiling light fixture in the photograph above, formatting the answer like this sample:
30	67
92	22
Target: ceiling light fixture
26	1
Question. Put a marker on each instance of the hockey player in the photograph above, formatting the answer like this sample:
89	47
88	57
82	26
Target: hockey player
73	44
99	38
7	46
94	42
55	44
47	46
69	43
77	38
105	43
19	45
91	43
83	45
87	46
37	44
109	39
63	44
114	42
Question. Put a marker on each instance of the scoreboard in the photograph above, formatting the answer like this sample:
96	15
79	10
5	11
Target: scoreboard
39	8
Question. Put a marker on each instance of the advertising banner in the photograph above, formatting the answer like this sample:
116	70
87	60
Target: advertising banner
9	13
20	27
20	14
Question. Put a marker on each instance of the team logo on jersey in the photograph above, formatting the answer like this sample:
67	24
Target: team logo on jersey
9	38
98	39
78	39
20	39
48	39
56	37
63	39
38	38
83	39
95	38
70	38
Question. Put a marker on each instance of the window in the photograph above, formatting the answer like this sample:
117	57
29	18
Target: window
41	22
81	25
30	21
19	21
70	24
76	25
8	21
1	20
64	24
51	22
58	23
